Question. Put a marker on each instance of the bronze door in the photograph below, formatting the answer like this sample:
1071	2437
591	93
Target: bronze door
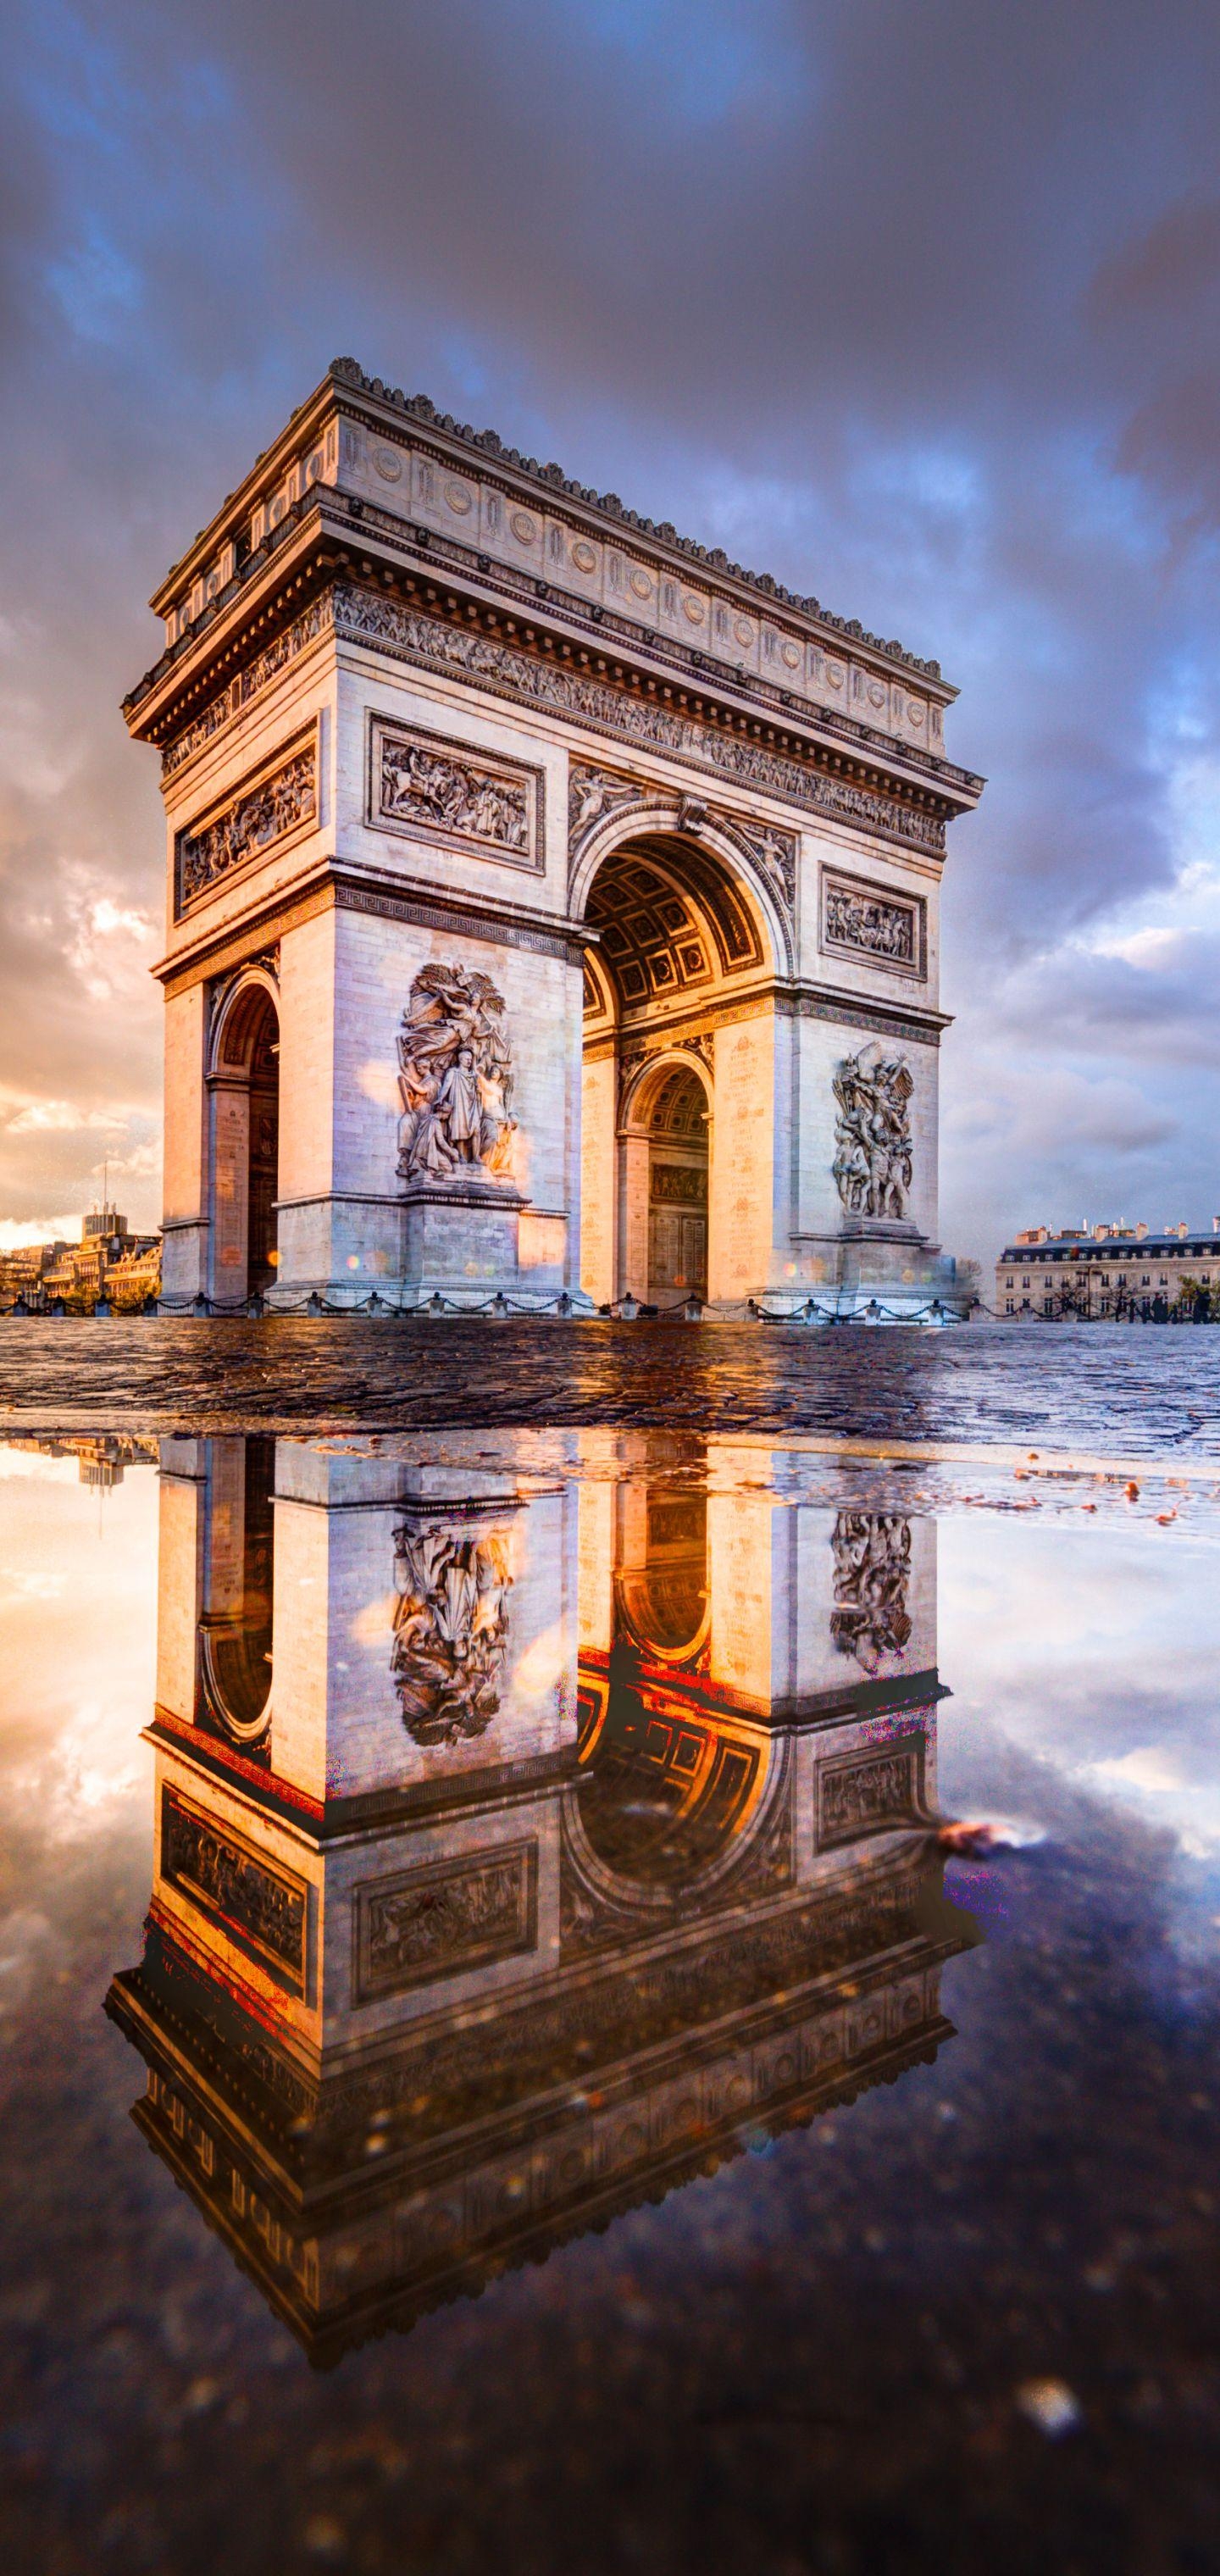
677	1254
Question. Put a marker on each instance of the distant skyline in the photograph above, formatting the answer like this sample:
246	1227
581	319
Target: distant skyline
918	310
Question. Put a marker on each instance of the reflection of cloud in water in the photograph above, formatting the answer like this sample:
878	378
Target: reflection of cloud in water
77	1642
1094	1651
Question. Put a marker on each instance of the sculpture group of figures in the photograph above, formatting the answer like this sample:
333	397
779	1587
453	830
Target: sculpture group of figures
450	1630
865	922
249	825
455	1079
421	786
872	1574
872	1164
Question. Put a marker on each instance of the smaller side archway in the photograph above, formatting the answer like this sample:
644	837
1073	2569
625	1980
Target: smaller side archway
244	1130
664	1173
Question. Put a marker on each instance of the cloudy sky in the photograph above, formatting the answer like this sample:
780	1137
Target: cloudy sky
916	307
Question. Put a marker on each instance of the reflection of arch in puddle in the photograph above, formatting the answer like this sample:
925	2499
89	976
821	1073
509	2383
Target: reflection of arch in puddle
663	1606
235	1626
672	1799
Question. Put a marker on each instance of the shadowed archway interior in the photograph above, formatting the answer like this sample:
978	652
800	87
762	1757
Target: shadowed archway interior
678	1122
673	929
247	1145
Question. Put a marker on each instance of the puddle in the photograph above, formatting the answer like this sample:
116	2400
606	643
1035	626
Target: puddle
603	1996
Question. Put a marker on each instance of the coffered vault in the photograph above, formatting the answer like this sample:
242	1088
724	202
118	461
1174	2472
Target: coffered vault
499	801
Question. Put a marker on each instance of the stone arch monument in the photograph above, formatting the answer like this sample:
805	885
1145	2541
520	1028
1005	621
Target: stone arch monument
491	808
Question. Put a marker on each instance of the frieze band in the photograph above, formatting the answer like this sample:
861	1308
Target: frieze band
367	616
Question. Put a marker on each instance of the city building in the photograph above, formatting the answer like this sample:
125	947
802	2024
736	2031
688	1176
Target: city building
1125	1272
109	1262
552	906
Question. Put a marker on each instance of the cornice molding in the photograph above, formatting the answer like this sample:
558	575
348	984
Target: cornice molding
330	528
346	389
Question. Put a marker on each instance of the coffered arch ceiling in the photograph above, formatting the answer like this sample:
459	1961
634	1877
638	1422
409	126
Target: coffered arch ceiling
670	922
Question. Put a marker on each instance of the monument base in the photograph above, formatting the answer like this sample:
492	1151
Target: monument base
464	1243
879	1270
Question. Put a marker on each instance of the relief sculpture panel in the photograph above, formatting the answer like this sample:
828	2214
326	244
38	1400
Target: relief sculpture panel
265	812
872	1164
419	785
869	1793
866	921
438	1921
261	1907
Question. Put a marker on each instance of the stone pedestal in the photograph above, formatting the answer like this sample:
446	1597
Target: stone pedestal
892	1263
463	1240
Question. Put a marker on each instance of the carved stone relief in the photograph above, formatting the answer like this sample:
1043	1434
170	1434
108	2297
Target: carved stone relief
677	1184
450	1628
440	1921
863	921
263	1907
773	853
418	785
861	1795
872	1574
872	1164
249	825
315	620
595	793
592	795
455	1081
364	615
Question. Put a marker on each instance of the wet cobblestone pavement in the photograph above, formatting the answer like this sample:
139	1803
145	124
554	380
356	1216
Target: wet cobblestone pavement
580	1996
1125	1391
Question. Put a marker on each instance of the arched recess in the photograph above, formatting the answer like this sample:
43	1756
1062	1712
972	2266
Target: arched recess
244	1111
235	1622
664	1163
704	859
683	925
674	1807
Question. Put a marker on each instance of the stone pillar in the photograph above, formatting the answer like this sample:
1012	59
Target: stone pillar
185	1253
633	1170
597	1186
741	1178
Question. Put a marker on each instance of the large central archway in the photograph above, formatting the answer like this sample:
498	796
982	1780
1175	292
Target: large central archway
669	1145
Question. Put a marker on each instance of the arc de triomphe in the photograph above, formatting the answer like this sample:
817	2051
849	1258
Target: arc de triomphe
552	905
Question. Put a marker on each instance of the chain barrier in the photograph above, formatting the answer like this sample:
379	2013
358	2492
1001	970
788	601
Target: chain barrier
692	1310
